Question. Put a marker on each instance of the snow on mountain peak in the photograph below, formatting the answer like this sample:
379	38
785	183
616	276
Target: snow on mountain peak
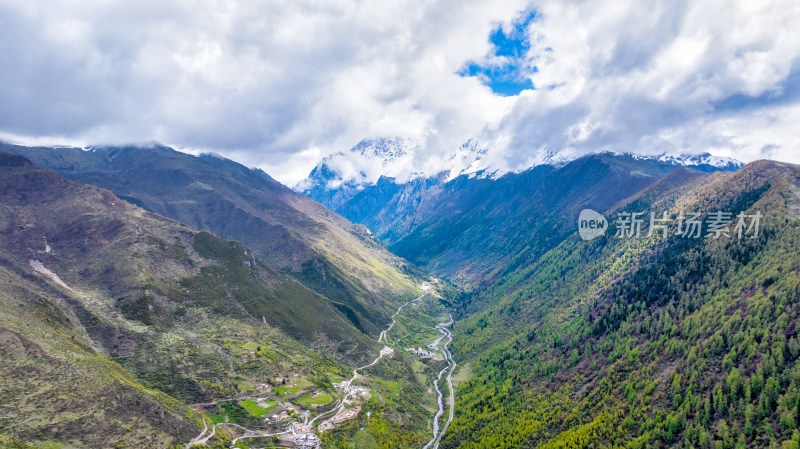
689	159
701	159
364	164
401	158
386	149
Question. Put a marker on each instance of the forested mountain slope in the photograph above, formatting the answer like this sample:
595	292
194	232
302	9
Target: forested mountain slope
475	228
660	341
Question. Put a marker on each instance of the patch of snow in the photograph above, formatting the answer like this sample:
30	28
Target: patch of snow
700	159
364	164
41	269
685	159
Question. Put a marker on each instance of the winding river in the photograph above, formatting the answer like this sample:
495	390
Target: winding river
438	432
451	366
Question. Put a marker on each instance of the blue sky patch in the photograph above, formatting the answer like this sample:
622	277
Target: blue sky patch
505	71
789	93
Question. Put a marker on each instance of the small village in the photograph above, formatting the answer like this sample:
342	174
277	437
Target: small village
287	421
349	408
425	353
293	411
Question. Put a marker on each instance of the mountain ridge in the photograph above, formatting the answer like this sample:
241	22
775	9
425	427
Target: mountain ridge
661	341
114	318
291	233
372	159
435	221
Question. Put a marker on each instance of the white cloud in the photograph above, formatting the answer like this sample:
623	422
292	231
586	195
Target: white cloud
265	81
281	84
651	77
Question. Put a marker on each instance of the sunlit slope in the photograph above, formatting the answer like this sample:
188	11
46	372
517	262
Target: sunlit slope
289	232
107	309
651	342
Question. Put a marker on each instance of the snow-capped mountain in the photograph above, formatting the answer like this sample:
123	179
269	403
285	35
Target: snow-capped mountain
403	160
341	175
468	159
385	149
701	161
363	164
704	159
397	158
379	180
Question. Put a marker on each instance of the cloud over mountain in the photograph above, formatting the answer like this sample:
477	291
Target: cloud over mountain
279	85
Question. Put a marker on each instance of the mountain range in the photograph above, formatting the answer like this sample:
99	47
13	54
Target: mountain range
292	234
658	341
139	280
473	226
114	318
400	159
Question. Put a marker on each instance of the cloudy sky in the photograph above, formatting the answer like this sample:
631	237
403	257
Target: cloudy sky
280	84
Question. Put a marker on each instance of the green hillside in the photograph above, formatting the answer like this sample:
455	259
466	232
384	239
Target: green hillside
115	317
651	342
113	320
290	233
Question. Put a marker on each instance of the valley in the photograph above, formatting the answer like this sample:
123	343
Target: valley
650	342
438	224
170	316
527	335
301	432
